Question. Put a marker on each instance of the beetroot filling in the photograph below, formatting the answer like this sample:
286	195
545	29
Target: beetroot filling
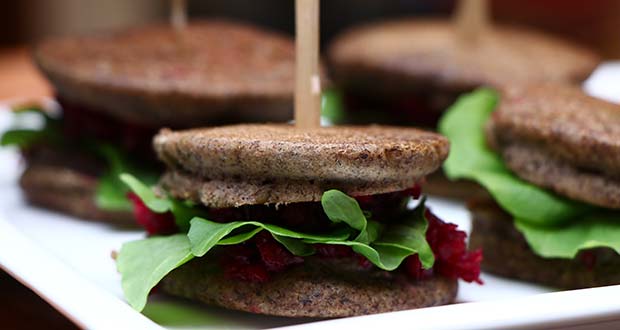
81	121
400	110
257	259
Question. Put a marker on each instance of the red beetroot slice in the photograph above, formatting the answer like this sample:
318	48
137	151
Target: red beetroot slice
153	223
256	273
451	256
333	251
274	256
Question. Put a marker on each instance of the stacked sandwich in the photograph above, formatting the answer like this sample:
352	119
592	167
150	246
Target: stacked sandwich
548	156
408	72
281	220
116	91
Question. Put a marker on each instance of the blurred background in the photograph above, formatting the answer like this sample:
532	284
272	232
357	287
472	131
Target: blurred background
596	23
22	23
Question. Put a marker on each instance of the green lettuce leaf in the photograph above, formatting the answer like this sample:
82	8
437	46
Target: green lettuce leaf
183	212
471	159
204	234
600	229
111	192
24	138
552	225
145	262
332	106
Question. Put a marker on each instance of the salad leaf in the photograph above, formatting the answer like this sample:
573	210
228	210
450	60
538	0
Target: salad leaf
183	212
111	193
471	159
26	137
145	262
552	225
204	234
332	106
594	230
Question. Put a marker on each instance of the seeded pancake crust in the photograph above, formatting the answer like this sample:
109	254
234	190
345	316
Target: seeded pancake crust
278	160
68	191
506	253
560	138
428	54
224	193
318	288
211	71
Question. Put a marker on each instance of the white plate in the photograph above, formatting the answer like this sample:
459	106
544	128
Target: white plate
67	262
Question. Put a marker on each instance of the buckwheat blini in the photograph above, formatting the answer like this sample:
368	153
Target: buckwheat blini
279	220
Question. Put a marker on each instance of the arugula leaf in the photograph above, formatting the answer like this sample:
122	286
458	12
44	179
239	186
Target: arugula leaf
111	193
332	106
339	207
552	225
182	212
24	138
144	263
471	159
205	234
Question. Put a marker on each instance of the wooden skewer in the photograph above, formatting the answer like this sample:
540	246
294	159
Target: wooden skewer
178	14
307	78
471	17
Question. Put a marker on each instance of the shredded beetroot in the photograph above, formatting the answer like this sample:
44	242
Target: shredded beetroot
256	273
81	121
588	259
153	223
274	256
451	256
333	251
257	259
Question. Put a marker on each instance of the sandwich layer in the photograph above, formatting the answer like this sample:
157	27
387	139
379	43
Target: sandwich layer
68	190
429	54
318	288
561	139
210	71
281	163
506	253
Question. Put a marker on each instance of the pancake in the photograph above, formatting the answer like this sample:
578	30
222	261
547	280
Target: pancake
559	138
212	71
412	54
258	164
318	288
67	190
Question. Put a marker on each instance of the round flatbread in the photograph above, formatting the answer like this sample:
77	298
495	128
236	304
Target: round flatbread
318	288
258	164
68	191
211	71
559	138
428	54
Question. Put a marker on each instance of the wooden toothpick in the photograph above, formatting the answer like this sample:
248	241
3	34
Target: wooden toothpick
470	18
178	14
307	78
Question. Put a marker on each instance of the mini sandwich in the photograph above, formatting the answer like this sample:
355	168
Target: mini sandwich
116	91
548	156
278	220
408	72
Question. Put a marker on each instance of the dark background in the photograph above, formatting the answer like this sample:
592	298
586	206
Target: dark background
596	23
